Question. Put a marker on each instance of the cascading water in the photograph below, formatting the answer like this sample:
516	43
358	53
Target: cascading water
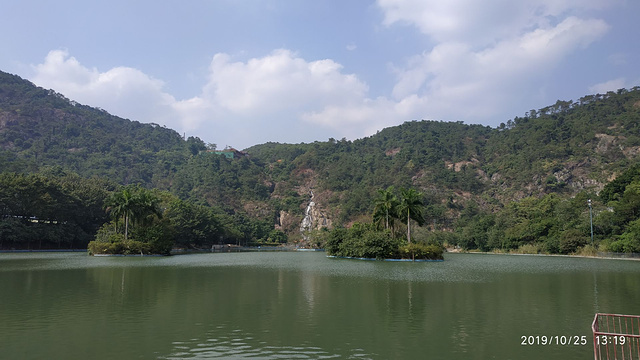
307	223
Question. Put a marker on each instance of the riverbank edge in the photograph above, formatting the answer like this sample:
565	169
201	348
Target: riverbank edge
177	251
372	259
458	251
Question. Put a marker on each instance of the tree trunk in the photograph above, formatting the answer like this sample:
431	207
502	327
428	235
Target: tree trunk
387	224
126	226
408	227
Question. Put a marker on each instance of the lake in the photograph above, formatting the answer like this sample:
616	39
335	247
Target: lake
300	305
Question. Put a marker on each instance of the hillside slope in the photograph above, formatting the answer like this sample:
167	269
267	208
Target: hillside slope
40	127
565	149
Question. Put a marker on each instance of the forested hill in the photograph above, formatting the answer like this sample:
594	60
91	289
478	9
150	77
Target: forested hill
40	127
566	149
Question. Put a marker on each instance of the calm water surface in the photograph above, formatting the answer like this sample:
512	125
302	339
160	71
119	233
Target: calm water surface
304	306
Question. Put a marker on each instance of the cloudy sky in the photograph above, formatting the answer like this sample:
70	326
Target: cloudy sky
241	73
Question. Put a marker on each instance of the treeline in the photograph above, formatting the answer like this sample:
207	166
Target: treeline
483	188
42	128
50	210
555	224
55	209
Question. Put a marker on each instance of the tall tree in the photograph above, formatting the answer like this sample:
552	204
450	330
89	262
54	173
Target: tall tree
133	204
411	207
385	209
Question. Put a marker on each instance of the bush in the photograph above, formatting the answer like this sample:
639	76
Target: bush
364	241
153	239
528	249
100	247
587	250
445	238
625	244
420	251
571	240
361	241
108	234
128	247
156	238
551	246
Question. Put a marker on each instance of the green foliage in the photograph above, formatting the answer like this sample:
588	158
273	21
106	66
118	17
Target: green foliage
629	241
421	251
385	208
157	238
133	204
38	211
43	128
571	240
194	226
503	188
616	188
410	208
361	241
366	241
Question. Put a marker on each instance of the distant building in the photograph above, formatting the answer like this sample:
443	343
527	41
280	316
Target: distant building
228	152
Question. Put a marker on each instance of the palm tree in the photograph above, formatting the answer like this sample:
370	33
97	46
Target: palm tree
385	207
410	207
146	206
120	205
133	204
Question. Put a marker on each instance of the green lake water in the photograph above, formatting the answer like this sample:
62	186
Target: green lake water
288	305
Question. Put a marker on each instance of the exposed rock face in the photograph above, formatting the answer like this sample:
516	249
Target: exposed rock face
314	219
286	222
608	143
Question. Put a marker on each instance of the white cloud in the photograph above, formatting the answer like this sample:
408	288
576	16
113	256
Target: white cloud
125	91
480	22
454	82
611	85
482	54
241	103
279	82
485	51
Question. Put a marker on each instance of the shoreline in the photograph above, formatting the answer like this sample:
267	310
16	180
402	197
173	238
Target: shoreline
631	256
372	259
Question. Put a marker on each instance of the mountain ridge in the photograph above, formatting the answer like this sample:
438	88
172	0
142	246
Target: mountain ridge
566	148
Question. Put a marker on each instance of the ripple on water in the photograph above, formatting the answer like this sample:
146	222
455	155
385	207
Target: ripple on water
247	347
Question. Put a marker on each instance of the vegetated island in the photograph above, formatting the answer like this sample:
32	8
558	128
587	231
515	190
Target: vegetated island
151	222
380	239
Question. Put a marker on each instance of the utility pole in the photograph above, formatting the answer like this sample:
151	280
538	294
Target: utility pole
590	219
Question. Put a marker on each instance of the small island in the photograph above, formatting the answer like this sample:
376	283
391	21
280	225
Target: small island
154	222
380	239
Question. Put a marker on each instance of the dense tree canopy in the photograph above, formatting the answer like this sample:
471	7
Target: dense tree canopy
524	183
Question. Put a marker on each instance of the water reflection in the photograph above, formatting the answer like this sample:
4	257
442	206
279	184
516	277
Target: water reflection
288	305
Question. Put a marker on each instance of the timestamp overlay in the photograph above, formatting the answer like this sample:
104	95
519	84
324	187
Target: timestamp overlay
607	346
551	340
554	345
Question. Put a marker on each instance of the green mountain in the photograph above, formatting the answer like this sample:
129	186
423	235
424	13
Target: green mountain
40	127
467	173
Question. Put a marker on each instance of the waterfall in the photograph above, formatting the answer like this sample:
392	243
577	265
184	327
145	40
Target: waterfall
307	223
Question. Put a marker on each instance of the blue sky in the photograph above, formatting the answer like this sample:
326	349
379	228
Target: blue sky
241	73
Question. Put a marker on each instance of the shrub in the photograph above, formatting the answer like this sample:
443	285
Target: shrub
571	240
420	251
156	238
528	249
587	250
625	244
361	241
100	247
